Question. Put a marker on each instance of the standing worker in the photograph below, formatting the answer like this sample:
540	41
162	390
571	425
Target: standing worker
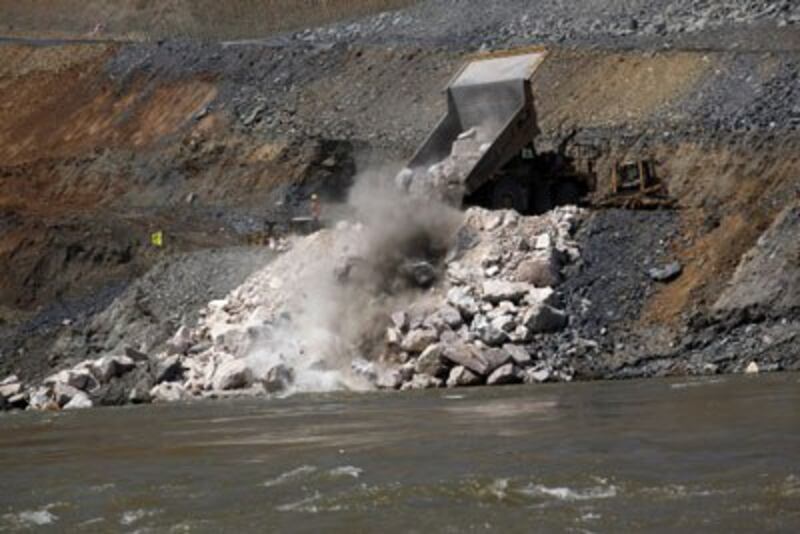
316	211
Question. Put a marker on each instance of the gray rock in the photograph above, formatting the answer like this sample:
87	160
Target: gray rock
504	308
233	374
170	369
418	340
420	381
460	376
505	374
487	332
539	295
520	335
543	242
41	399
11	389
169	392
136	355
80	378
544	318
393	337
451	317
79	402
140	393
520	356
17	402
407	371
495	358
506	323
540	272
468	356
400	320
63	393
667	273
279	378
390	379
448	337
109	367
420	273
10	379
496	291
536	376
431	362
180	342
463	302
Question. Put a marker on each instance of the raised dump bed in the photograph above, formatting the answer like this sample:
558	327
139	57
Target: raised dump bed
490	119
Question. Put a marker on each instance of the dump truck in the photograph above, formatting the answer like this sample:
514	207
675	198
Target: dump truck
483	151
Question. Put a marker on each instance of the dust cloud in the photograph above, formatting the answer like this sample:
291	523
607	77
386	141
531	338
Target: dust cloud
354	275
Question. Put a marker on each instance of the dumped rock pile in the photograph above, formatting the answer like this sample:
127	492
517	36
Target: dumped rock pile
447	177
343	310
497	295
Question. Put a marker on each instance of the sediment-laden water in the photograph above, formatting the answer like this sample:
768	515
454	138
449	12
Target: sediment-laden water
719	454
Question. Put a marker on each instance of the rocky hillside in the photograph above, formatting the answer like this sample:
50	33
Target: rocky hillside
218	145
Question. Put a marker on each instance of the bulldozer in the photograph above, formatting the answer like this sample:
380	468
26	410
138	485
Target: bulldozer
483	150
633	176
636	185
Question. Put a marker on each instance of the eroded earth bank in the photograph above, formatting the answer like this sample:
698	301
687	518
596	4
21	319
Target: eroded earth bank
221	145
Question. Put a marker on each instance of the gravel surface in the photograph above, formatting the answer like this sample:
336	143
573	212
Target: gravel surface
142	316
470	24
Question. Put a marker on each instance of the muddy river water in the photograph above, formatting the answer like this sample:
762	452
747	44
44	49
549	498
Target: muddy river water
712	455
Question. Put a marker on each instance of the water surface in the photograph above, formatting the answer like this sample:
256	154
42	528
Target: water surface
717	455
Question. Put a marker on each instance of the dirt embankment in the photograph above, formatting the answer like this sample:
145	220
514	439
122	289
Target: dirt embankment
103	144
179	18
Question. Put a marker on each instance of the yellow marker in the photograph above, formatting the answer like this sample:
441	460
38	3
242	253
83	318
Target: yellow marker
157	239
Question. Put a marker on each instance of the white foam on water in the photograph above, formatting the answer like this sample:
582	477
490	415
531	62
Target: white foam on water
499	488
696	383
679	491
569	494
35	518
132	516
303	505
790	486
290	475
590	516
346	470
90	522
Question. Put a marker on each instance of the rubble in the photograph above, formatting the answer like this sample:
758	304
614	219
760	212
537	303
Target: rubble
472	325
168	392
109	367
505	374
279	378
169	369
461	376
430	362
78	402
233	374
667	273
487	315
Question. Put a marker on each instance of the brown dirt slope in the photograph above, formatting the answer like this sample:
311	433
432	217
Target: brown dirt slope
180	18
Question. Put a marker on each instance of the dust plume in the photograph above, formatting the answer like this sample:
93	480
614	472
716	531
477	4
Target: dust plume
353	277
